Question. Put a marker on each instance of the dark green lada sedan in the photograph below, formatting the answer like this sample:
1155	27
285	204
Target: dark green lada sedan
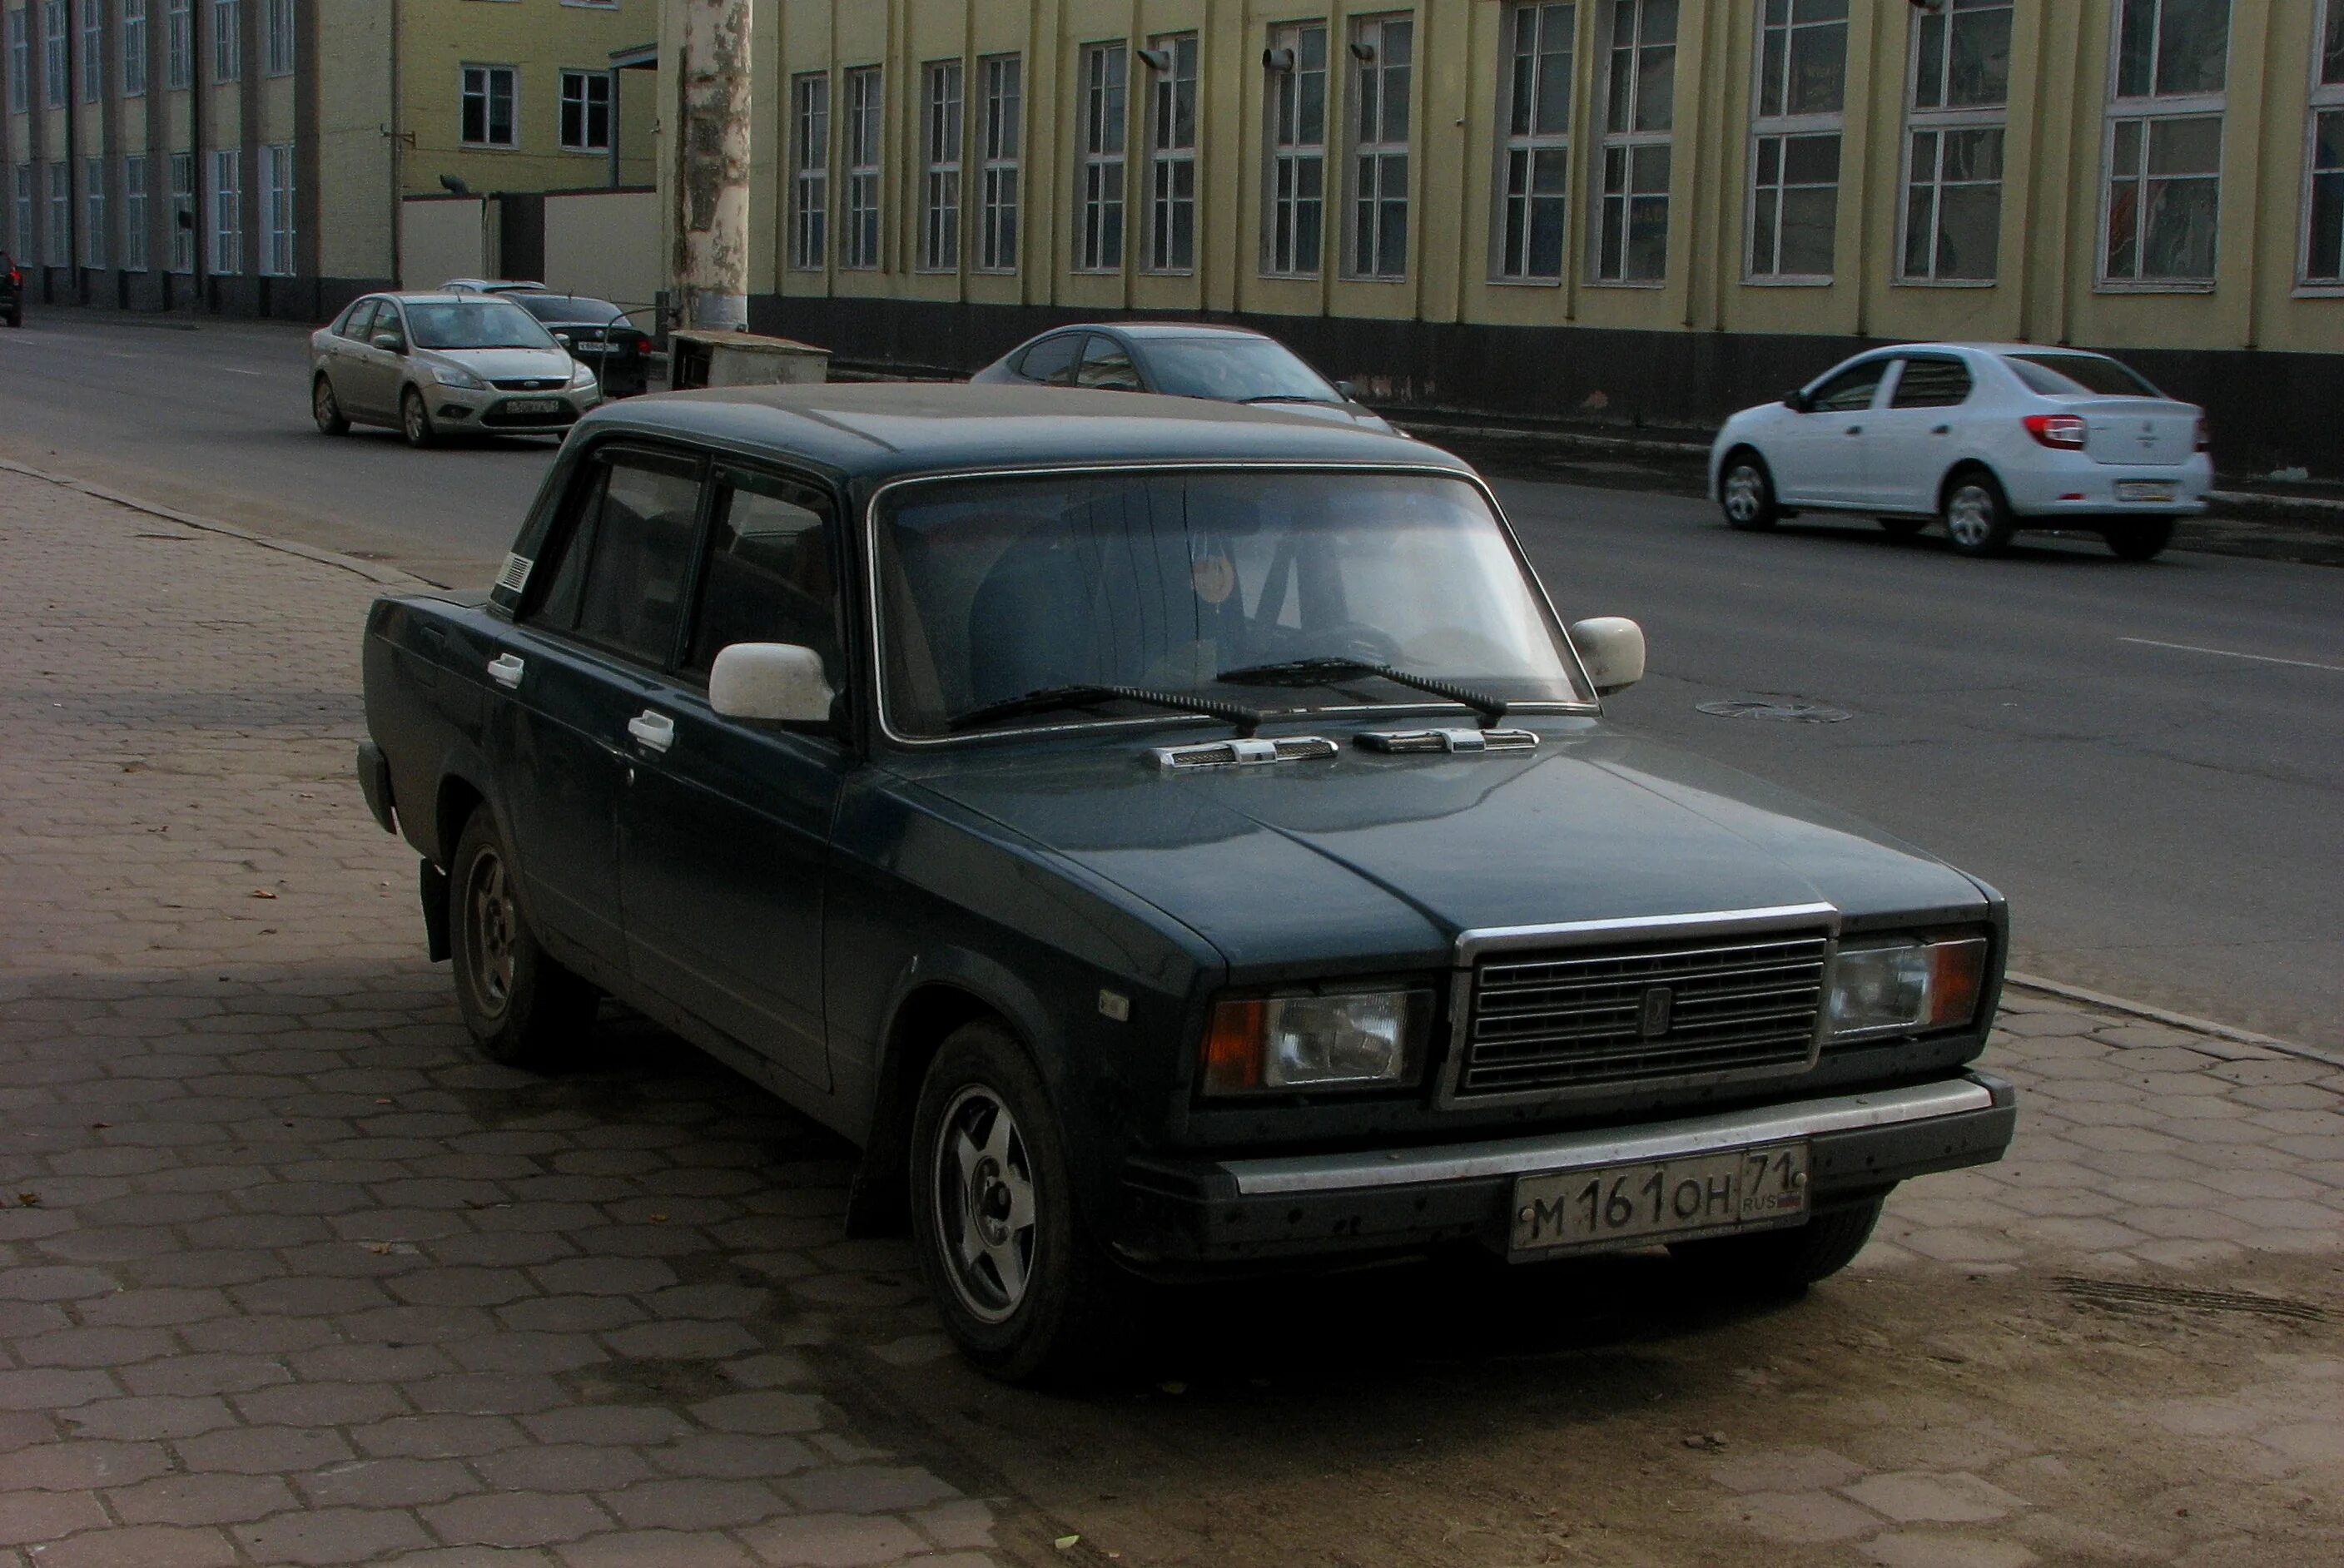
1167	837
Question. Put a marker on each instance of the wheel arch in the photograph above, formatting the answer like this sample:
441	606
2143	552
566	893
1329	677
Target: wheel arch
1960	466
1717	479
927	1012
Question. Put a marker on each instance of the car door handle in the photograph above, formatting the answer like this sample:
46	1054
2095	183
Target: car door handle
1855	430
1941	429
653	732
506	668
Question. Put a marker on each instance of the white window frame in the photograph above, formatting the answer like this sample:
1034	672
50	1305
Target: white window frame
1170	242
93	51
944	125
93	213
1514	206
862	238
277	51
1636	149
56	248
56	79
1294	176
178	44
1376	163
2327	99
1780	128
277	257
226	235
20	59
135	234
227	40
1102	140
1939	121
809	171
2149	110
1002	140
183	201
486	92
134	49
23	248
586	80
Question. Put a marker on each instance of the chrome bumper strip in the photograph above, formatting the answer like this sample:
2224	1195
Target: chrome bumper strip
1607	1146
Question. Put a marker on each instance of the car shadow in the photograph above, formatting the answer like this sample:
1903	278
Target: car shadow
2077	548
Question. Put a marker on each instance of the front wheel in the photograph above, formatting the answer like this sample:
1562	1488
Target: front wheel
415	420
522	1007
327	409
1976	514
2139	541
1746	492
1023	1290
1776	1261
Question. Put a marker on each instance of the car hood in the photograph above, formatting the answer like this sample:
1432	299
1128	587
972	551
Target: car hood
509	364
1370	859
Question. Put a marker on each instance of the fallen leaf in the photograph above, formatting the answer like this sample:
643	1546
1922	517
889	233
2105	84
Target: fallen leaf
1066	1543
659	1218
1174	1388
29	1199
262	893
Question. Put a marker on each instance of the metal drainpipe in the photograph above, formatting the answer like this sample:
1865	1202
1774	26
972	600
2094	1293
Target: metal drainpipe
72	157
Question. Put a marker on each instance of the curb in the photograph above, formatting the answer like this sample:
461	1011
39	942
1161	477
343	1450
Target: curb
2171	1019
382	576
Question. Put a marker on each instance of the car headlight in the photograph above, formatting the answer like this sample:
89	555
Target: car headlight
1906	983
582	376
457	375
1347	1039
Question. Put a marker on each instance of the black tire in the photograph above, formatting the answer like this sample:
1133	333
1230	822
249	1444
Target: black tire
1775	1260
327	408
1746	492
2143	540
1007	1193
415	420
1903	527
1976	514
522	1007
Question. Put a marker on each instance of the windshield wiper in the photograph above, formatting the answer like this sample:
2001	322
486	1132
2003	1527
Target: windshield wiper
1287	398
1247	719
1316	671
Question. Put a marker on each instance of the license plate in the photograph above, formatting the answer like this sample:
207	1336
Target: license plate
531	406
1611	1205
2143	490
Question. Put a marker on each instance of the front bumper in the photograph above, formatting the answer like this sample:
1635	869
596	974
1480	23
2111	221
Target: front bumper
461	407
1219	1211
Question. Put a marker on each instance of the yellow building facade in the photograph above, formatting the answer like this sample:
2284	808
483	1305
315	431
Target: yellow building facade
1651	210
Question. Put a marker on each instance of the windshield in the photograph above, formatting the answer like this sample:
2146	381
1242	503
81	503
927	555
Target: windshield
2078	375
993	589
568	307
475	324
1233	371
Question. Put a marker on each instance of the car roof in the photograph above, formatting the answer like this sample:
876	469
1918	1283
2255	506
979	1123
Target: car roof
1160	329
874	431
1997	348
436	297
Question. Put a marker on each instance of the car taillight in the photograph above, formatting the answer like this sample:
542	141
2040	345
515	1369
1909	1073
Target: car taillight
18	279
2064	431
2205	435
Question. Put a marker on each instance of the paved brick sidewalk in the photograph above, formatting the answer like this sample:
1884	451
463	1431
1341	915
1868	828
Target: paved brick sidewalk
286	1275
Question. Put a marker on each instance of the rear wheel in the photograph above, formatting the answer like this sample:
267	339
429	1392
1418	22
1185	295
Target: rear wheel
1746	492
1787	1259
327	409
415	420
1976	514
2142	541
522	1007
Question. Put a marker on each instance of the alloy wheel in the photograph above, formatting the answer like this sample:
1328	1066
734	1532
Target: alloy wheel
1744	492
490	927
1970	515
984	1212
322	407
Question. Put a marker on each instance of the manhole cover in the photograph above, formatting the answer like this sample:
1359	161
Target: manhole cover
1794	712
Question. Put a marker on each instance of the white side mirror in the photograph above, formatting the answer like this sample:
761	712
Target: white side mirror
1612	649
780	682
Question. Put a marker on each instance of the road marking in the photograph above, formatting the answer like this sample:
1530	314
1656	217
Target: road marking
232	370
2227	653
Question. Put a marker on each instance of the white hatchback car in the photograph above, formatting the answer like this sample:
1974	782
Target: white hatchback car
1986	438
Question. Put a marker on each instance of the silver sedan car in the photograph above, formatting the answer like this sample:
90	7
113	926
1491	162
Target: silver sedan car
434	365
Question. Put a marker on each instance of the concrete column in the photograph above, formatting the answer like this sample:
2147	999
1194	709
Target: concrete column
711	183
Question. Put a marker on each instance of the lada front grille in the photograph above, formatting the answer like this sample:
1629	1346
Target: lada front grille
1691	1008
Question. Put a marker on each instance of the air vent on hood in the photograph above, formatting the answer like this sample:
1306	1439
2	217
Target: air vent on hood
1449	740
1239	753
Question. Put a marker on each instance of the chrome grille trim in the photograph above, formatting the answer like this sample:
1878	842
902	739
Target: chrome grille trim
1550	1012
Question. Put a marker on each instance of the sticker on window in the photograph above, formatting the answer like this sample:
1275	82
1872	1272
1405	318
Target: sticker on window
516	572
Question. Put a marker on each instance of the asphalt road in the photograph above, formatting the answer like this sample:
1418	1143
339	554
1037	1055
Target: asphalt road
2145	758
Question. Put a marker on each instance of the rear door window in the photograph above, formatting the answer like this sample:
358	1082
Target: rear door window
772	570
624	569
1106	367
1931	381
1052	360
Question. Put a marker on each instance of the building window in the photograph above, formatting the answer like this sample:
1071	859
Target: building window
1098	216
280	37
93	212
1952	143
228	213
996	236
93	51
2323	213
24	248
182	212
1172	153
1794	124
489	93
865	99
1534	168
20	62
585	111
2164	147
134	48
276	208
810	172
227	40
134	213
53	53
940	230
179	43
1631	243
1295	192
1382	65
58	249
